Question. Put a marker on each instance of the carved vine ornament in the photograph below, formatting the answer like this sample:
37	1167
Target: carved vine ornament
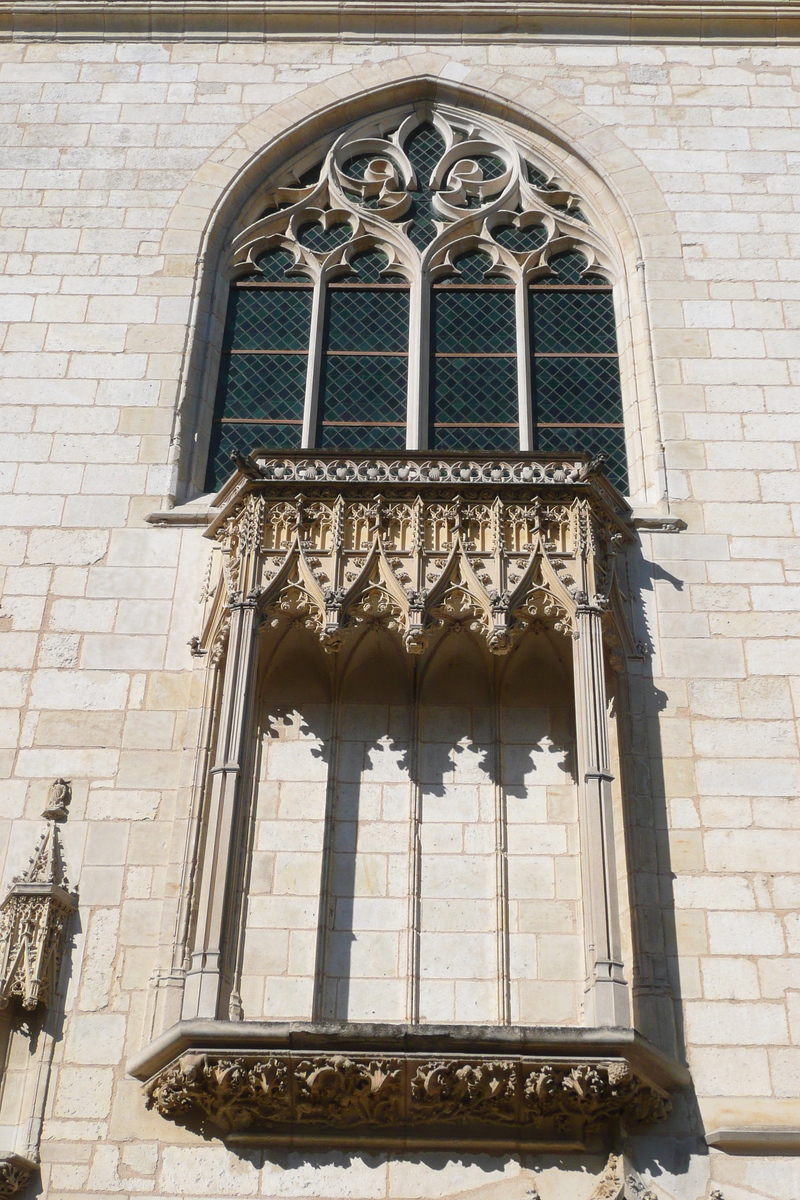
248	1093
15	1174
418	546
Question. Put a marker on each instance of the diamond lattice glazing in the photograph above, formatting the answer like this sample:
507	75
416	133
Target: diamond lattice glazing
578	322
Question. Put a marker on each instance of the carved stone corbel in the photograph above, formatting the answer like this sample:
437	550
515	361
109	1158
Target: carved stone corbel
35	913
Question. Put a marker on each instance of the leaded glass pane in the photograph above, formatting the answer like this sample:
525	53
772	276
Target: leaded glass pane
579	322
369	265
362	437
472	267
520	241
539	179
262	385
577	389
424	147
268	319
475	321
567	268
274	264
474	390
314	237
609	441
367	319
363	388
475	437
245	438
262	378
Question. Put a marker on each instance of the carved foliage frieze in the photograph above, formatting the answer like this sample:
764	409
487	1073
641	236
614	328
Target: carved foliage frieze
344	1091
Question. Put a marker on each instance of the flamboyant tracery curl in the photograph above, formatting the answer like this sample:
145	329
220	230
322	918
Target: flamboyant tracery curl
431	283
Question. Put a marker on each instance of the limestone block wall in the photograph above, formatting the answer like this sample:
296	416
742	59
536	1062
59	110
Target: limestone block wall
112	159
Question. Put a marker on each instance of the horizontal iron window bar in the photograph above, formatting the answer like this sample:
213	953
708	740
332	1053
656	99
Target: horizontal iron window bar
579	424
258	421
365	424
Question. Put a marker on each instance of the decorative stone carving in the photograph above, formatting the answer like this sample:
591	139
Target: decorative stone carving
245	1093
347	1091
58	801
15	1174
621	1181
416	546
34	915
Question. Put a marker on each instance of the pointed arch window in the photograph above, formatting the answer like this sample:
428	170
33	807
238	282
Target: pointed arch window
428	285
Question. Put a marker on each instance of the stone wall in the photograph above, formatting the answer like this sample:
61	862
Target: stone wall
113	158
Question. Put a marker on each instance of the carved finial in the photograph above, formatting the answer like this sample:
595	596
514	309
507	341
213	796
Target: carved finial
58	800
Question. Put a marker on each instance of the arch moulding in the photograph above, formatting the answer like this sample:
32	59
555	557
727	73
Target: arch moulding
620	194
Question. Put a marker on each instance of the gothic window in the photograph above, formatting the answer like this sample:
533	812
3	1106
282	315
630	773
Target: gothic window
426	286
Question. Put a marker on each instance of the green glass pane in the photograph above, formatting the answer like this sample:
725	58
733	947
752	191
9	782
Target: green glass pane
591	441
572	322
577	389
274	264
361	437
245	439
314	237
520	241
369	265
261	385
368	319
474	389
572	211
268	319
481	437
363	388
567	268
474	322
539	179
473	266
424	147
491	166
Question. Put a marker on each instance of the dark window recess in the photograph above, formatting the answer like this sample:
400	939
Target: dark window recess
364	380
473	393
577	402
262	377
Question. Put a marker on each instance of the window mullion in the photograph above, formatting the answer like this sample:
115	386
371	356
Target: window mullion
524	367
419	340
316	351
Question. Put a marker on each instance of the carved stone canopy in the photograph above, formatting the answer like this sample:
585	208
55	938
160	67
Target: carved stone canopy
405	1084
417	545
33	920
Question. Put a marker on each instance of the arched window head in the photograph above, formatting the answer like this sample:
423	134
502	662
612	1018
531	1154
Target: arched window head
425	282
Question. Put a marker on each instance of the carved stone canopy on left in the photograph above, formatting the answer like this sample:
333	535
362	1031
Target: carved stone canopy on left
35	913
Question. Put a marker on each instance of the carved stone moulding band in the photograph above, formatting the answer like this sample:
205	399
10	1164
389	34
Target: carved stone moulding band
521	1097
420	468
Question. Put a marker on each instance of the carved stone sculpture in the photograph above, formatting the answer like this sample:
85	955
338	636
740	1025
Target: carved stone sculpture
247	1093
34	916
58	801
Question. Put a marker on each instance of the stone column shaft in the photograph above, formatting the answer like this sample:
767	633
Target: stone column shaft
201	998
607	993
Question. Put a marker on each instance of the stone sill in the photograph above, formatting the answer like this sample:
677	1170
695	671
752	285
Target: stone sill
334	1083
755	1139
401	21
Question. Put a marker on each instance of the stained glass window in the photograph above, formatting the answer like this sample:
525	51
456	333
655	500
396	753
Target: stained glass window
262	377
351	382
473	394
364	381
577	401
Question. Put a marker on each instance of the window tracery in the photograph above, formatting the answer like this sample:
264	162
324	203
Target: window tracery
428	285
